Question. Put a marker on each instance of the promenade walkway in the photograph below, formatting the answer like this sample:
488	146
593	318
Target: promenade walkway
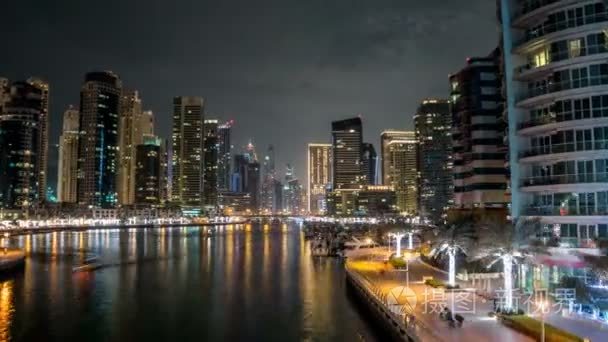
424	303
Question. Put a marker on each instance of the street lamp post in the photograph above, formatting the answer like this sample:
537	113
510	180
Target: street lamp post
398	237
542	315
410	241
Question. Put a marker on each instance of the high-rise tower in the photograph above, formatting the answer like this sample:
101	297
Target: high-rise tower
319	176
19	144
187	158
43	136
211	150
98	143
347	141
67	173
400	169
433	123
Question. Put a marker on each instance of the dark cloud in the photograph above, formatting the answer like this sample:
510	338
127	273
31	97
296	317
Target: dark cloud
283	69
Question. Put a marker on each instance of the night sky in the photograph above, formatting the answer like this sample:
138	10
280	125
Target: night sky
283	69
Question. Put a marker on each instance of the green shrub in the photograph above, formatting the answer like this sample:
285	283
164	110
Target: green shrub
398	262
434	283
532	327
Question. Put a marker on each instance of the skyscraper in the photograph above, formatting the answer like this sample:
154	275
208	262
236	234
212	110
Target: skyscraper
98	143
347	141
368	164
187	146
246	176
135	124
43	137
19	143
5	92
433	123
224	162
269	177
211	149
400	168
292	192
68	157
556	78
319	176
385	138
148	171
479	157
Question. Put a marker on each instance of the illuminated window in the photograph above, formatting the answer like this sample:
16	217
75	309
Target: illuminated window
574	48
540	58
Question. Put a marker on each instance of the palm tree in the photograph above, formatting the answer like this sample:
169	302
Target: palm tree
507	242
456	237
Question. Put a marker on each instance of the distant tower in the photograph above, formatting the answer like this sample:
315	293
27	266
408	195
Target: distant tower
269	177
68	157
19	144
224	163
43	136
347	140
319	176
98	145
368	163
135	124
148	171
187	161
433	124
211	150
400	168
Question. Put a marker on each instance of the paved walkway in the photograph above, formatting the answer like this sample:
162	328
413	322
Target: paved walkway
425	303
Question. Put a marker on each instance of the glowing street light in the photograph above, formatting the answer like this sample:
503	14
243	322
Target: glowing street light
398	237
410	241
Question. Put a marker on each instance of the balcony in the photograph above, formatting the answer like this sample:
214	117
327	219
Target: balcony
562	25
566	179
552	122
545	210
583	55
565	148
555	87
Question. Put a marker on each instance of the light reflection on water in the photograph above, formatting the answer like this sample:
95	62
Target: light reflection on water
242	282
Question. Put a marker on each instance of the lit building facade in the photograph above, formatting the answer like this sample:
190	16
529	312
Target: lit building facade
347	142
135	124
187	151
98	144
43	136
267	196
319	176
19	143
148	172
224	162
246	176
211	150
68	157
400	168
369	161
480	175
556	76
433	123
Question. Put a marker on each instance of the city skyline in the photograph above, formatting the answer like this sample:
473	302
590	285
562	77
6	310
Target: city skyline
228	71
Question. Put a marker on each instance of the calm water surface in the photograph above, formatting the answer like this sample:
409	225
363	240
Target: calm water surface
255	283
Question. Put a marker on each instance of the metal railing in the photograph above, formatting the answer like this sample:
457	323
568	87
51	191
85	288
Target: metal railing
565	55
561	25
552	87
581	210
574	242
566	179
566	147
